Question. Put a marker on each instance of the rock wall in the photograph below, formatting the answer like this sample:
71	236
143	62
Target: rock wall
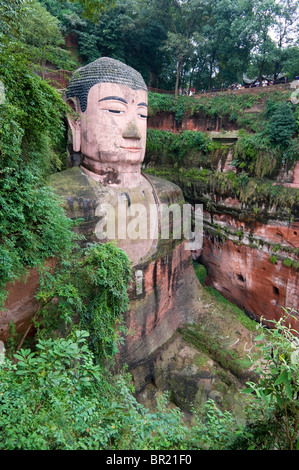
21	304
199	122
253	265
167	300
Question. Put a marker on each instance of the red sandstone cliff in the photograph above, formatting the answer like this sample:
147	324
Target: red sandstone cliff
254	266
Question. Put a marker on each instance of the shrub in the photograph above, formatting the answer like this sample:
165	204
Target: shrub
282	125
57	399
33	226
91	289
273	417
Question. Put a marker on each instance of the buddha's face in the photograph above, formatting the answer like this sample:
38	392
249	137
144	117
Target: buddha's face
113	127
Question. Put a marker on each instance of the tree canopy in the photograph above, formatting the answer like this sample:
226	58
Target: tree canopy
176	43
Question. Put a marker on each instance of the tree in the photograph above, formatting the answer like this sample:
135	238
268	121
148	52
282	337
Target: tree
33	225
224	42
92	9
43	38
187	16
273	25
179	47
282	125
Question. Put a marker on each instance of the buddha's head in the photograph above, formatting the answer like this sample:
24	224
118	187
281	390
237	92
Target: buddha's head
109	125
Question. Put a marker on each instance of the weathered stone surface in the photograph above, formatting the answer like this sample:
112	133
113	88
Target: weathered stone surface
295	182
245	274
198	122
21	303
165	292
85	198
192	369
169	299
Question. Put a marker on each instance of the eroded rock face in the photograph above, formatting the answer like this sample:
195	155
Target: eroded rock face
206	360
295	182
167	299
21	303
200	122
254	267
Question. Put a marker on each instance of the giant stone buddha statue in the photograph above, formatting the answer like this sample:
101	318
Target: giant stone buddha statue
111	130
108	129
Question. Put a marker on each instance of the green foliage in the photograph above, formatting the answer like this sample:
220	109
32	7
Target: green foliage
50	387
11	13
197	43
200	271
35	110
282	125
252	192
254	153
166	102
287	262
213	429
33	226
90	288
273	417
69	403
92	9
167	147
220	104
45	44
260	150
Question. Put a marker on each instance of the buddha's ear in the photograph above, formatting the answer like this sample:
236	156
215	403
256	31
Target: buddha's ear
74	120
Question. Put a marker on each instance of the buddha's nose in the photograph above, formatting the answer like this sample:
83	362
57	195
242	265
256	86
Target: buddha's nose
132	131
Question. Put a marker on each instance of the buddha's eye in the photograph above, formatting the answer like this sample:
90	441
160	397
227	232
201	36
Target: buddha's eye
114	111
143	116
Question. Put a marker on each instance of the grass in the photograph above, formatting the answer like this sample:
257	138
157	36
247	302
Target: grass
201	273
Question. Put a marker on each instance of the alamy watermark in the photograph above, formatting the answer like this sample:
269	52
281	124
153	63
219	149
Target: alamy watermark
137	221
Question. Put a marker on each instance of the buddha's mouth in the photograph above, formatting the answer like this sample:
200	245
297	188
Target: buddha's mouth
132	149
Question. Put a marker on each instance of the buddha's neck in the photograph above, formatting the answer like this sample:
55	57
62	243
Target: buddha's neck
112	173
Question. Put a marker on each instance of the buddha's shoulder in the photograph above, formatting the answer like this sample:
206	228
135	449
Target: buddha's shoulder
167	191
72	182
75	184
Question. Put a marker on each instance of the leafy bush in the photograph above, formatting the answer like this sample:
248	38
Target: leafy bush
282	125
33	225
273	418
58	399
166	147
213	429
89	288
253	152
